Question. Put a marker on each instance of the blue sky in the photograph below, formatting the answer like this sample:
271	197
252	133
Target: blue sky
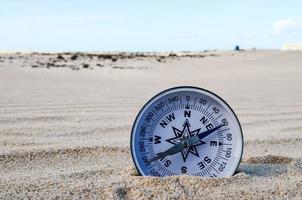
155	25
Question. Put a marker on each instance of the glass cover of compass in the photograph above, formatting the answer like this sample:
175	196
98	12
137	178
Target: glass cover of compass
186	131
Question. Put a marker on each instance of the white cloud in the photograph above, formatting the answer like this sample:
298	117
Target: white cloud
288	26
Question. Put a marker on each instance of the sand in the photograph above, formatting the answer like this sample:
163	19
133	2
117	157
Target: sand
65	122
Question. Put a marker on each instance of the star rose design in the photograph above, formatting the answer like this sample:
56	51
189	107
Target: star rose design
183	134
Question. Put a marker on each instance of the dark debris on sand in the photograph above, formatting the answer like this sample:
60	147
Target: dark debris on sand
85	65
78	60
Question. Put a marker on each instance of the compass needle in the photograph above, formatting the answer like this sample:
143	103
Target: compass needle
197	138
171	151
180	131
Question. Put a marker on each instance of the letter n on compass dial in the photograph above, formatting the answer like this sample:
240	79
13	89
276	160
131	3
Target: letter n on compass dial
189	131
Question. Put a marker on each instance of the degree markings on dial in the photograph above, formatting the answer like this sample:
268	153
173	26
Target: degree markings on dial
180	100
216	164
218	117
194	107
207	108
159	115
165	171
151	126
218	154
158	119
216	123
153	120
201	109
223	158
152	166
147	139
160	167
210	115
162	114
173	105
222	130
146	124
149	142
169	109
215	161
200	173
165	112
212	118
171	173
163	168
207	171
210	167
147	153
216	170
220	133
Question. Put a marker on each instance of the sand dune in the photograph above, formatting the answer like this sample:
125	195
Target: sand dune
65	122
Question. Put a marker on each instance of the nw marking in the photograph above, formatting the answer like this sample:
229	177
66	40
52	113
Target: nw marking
167	120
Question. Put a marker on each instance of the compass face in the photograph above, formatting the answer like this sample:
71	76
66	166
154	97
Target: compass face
186	131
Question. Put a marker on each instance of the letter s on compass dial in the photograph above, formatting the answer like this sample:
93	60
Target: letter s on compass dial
189	131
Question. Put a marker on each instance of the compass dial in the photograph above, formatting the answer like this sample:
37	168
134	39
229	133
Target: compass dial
188	131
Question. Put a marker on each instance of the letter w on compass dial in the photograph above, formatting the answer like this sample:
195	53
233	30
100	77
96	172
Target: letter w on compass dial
181	135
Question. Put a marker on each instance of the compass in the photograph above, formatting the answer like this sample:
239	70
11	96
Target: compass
186	131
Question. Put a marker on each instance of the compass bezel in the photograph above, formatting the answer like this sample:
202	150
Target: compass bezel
141	173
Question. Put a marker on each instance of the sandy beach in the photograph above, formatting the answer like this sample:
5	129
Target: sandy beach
66	118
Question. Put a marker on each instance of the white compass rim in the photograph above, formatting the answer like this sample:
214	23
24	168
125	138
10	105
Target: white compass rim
167	91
